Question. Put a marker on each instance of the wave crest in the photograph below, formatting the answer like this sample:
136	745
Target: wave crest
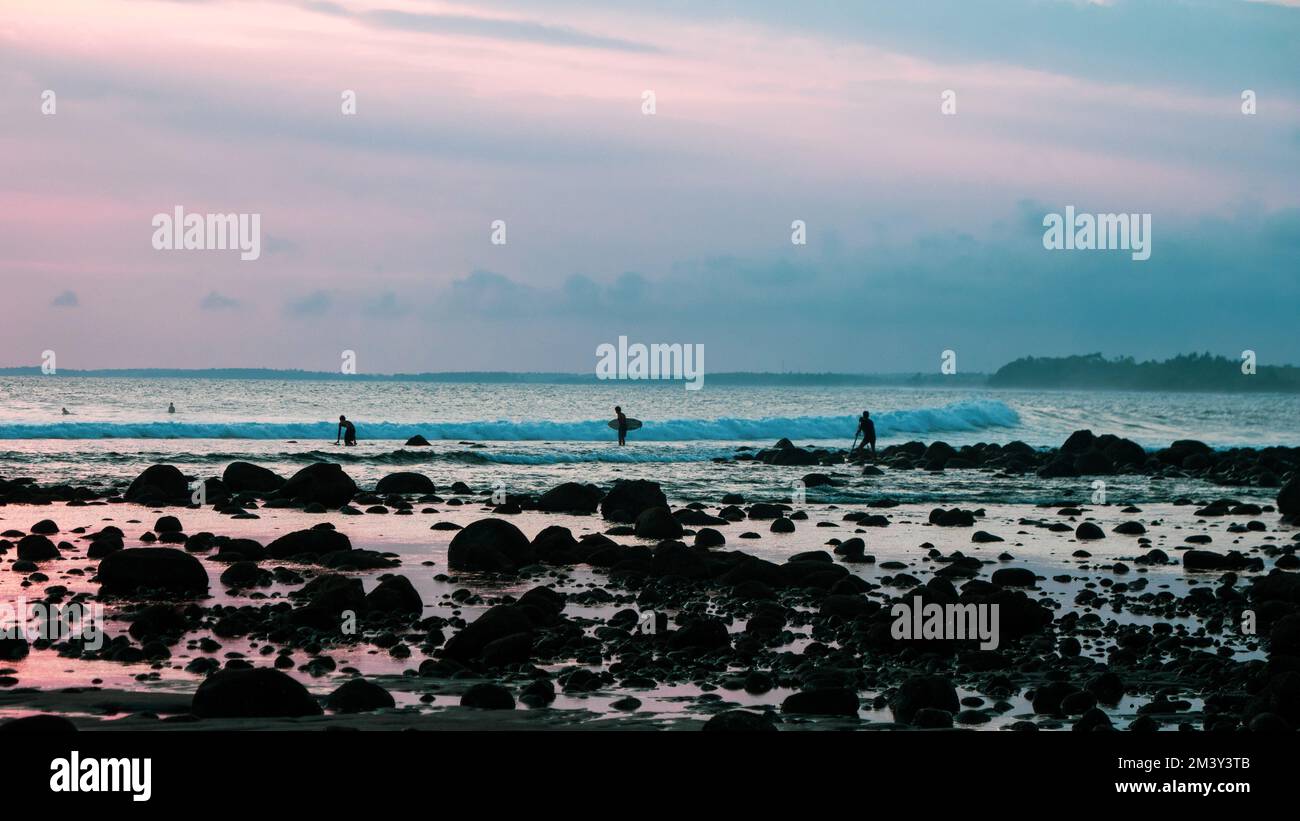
964	416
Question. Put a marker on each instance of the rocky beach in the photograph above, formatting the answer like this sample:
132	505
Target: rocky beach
424	600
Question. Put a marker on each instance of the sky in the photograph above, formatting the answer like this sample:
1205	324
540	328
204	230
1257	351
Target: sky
924	229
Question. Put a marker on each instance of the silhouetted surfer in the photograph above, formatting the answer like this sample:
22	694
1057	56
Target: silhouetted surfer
347	432
622	425
66	412
868	430
171	407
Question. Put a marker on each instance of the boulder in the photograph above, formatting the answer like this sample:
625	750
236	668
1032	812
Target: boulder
323	483
1210	560
823	701
161	483
739	721
1014	577
245	477
417	441
1078	442
496	623
396	595
708	537
405	482
313	542
570	497
1288	498
1088	530
488	696
491	545
151	568
919	692
628	499
359	696
658	523
167	524
260	692
37	548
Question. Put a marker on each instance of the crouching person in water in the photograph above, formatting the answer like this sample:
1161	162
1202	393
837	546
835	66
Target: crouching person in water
347	432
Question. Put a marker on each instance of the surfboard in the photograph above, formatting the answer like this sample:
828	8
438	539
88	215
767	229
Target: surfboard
632	424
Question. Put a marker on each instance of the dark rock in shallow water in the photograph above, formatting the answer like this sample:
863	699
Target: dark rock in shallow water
13	648
1014	577
39	725
45	527
570	497
492	545
1048	697
37	548
740	721
359	696
1060	467
394	595
1209	560
161	483
417	441
488	697
824	701
405	482
1280	696
331	594
323	483
782	525
931	718
1088	530
1092	720
956	517
1107	687
167	524
920	692
555	545
515	648
158	621
1277	586
313	542
701	634
245	477
252	693
1129	528
245	574
1288	499
628	499
1078	442
151	568
496	623
657	523
708	537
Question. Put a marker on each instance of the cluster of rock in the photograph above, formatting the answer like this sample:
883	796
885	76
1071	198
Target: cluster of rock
1082	454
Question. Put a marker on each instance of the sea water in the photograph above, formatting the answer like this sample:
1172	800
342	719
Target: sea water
529	437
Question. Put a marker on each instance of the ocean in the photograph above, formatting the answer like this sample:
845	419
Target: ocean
527	438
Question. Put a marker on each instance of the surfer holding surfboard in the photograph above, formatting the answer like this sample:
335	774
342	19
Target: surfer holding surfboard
622	424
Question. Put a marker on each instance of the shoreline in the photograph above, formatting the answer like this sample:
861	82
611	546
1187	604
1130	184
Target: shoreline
771	614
